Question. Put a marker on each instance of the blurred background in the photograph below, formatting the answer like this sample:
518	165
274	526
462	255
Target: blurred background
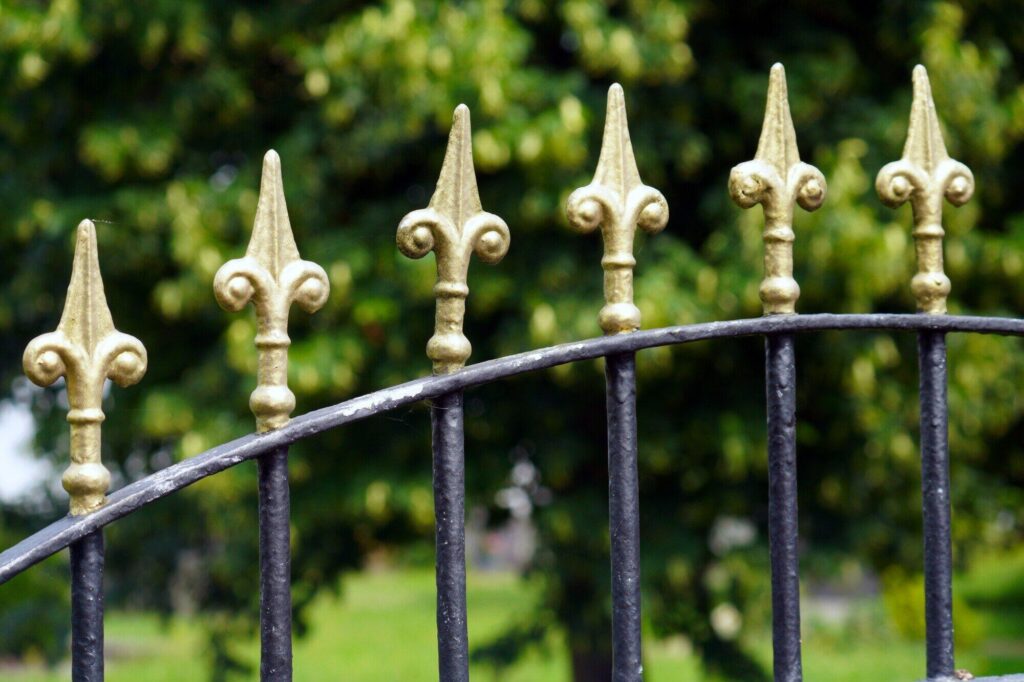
152	118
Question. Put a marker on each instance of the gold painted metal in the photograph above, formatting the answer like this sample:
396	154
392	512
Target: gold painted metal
86	350
777	179
272	276
923	177
619	202
453	226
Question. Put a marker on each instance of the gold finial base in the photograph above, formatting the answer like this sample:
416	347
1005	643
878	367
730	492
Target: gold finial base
619	318
272	407
87	484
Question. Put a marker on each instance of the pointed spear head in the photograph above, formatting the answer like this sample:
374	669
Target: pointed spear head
616	165
453	226
272	243
86	350
86	317
924	146
457	196
777	144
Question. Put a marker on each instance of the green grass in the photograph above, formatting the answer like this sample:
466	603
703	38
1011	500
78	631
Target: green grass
382	629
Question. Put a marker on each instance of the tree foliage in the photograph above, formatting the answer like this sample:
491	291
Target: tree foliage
152	118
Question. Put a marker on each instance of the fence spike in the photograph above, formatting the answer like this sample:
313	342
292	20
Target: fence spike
618	201
923	177
272	276
777	179
453	226
86	350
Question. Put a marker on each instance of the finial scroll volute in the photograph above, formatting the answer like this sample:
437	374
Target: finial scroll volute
272	276
453	226
619	202
924	176
86	350
777	179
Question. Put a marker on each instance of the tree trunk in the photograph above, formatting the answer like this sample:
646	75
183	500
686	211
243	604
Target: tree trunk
726	658
591	666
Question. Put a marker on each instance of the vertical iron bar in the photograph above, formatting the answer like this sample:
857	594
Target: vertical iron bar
938	556
624	517
87	608
275	567
446	418
783	530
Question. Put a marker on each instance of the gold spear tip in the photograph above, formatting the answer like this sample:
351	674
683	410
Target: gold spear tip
86	318
777	80
272	243
777	145
925	146
457	196
616	165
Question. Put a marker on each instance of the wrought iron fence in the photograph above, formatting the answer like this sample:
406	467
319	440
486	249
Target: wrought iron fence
86	350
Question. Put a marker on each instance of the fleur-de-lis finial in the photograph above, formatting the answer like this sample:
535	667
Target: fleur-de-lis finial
923	177
777	179
619	202
272	276
453	226
86	350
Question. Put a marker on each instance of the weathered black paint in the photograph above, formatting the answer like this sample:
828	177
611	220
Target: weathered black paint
87	608
446	418
64	531
84	535
938	554
624	517
275	567
783	529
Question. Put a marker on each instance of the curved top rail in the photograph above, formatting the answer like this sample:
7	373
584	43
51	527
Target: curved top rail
66	530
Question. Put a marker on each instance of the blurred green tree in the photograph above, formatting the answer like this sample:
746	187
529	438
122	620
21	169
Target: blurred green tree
153	117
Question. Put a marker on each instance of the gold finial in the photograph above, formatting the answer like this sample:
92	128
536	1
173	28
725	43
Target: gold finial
619	202
86	350
777	179
272	276
453	226
924	176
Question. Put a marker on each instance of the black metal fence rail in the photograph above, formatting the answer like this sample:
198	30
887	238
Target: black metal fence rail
84	533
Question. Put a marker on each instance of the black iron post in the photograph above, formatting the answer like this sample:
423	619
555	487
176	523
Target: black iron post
783	531
938	556
87	608
624	517
275	567
446	418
